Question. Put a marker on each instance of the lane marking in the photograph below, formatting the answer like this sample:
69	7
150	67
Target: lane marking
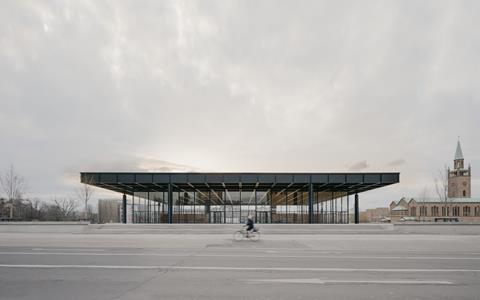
66	249
253	248
243	255
283	250
207	268
320	281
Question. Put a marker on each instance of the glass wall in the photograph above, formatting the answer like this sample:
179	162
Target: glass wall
263	208
331	207
147	207
233	207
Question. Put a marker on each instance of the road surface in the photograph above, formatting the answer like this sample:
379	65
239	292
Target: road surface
212	266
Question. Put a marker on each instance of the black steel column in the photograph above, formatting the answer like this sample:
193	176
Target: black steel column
269	202
224	199
170	204
348	208
194	205
310	203
207	207
357	214
124	208
148	207
133	207
332	216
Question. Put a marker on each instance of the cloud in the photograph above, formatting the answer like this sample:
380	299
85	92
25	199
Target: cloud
358	166
231	86
397	162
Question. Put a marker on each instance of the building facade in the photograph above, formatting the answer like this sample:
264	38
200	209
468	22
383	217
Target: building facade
432	210
375	215
458	206
289	198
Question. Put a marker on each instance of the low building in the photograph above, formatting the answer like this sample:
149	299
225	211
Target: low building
433	210
375	215
456	206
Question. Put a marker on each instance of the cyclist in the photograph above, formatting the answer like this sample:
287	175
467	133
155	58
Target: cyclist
250	225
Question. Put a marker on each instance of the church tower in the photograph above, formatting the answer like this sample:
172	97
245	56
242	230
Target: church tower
459	179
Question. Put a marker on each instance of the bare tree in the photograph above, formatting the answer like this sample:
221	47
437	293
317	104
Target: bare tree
85	193
13	185
441	186
66	207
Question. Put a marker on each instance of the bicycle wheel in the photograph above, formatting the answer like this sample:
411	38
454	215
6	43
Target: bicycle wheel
255	236
237	236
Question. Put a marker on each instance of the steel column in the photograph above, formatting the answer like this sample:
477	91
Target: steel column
133	208
124	208
348	208
357	212
170	204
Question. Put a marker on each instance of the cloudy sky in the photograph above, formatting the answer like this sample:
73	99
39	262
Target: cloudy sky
304	86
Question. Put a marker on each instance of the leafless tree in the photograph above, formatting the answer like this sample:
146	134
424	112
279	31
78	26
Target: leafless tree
13	185
441	186
66	207
85	193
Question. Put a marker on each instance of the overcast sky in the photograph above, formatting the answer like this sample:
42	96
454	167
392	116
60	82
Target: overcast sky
300	86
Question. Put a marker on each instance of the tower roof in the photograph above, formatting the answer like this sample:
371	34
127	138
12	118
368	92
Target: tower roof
458	153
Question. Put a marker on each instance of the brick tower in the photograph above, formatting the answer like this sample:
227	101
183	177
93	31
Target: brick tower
459	179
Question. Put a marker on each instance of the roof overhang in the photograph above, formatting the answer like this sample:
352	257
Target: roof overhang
348	183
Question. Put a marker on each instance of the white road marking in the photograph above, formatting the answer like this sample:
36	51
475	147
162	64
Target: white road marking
206	268
333	250
66	249
242	255
320	281
304	250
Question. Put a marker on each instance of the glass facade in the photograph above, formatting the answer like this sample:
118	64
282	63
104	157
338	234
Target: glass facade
229	198
233	207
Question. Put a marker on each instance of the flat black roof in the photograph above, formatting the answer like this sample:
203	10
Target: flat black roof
128	183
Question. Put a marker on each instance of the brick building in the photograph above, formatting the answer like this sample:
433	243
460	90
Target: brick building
459	206
375	215
433	210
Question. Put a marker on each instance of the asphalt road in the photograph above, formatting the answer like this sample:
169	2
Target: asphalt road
212	266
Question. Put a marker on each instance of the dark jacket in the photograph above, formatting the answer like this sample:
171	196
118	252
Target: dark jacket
249	224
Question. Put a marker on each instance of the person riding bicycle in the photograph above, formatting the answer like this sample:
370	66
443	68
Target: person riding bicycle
250	225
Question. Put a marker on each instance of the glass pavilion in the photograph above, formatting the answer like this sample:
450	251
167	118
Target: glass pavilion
288	198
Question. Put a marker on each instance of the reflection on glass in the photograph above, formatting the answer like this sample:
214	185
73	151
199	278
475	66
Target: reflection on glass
229	206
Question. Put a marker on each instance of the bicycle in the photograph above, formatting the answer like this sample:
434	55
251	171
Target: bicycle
253	235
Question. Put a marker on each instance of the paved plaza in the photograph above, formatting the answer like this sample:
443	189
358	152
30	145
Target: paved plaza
304	262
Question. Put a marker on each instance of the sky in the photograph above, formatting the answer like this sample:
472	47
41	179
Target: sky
239	86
